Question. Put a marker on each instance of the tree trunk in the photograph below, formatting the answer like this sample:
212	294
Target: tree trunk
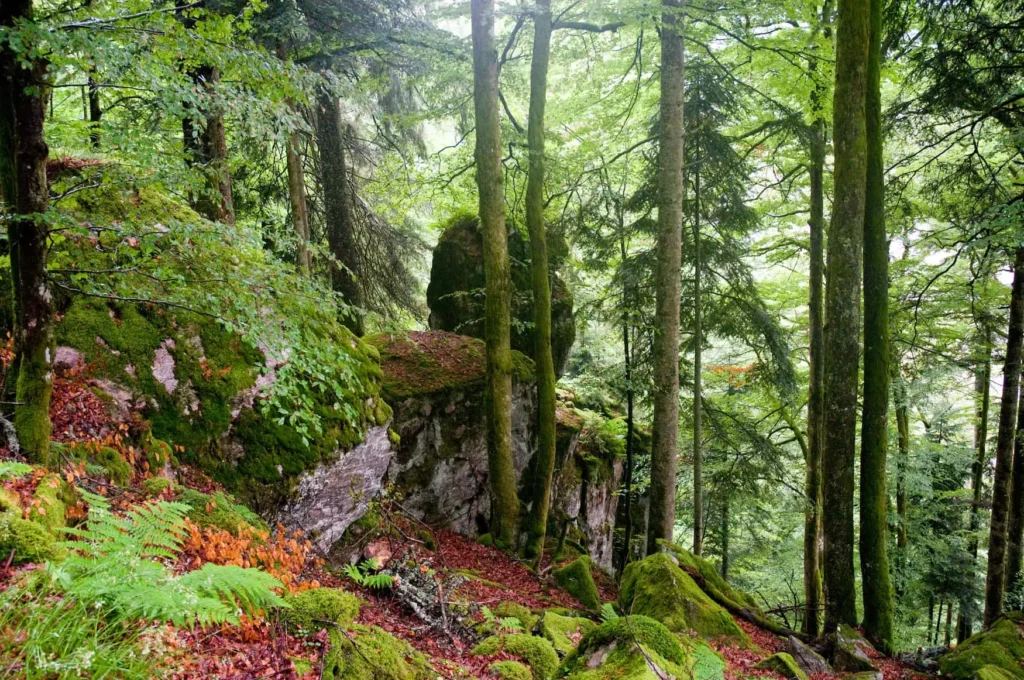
815	395
725	537
504	501
338	217
949	621
544	364
1015	523
207	148
628	367
698	338
874	498
95	111
842	293
297	198
665	425
26	195
1004	448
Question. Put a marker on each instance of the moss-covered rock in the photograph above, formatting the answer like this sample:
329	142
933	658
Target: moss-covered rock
535	652
577	580
510	670
851	653
373	654
658	588
991	672
29	541
564	631
220	511
639	648
154	486
10	503
317	608
712	582
783	664
115	468
1001	646
527	619
50	503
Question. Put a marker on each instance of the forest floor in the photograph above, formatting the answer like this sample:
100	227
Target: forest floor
263	649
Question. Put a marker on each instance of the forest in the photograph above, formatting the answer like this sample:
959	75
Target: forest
521	339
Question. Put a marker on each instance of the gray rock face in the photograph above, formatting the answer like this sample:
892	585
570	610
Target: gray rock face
334	495
850	652
810	661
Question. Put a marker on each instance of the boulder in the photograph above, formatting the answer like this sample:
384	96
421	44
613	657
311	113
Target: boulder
455	292
564	632
577	580
851	653
810	661
656	587
535	652
783	664
1000	647
371	653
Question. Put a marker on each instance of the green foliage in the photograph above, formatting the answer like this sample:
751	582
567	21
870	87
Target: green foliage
366	574
577	580
114	566
11	469
608	612
155	486
218	510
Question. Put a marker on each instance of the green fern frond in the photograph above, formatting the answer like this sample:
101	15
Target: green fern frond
10	469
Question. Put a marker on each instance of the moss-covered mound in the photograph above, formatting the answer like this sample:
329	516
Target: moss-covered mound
1001	646
28	541
711	581
510	670
319	608
577	580
50	503
658	588
783	664
220	511
371	653
638	648
535	652
435	361
564	631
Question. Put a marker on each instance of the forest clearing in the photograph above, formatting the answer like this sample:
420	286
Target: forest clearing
518	339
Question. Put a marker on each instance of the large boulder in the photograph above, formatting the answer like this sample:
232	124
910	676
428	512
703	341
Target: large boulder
456	298
990	654
851	653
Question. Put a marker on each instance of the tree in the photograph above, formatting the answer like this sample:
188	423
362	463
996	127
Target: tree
842	293
504	501
665	425
23	154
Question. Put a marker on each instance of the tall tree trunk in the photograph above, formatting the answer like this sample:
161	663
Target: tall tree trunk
95	110
338	216
874	498
207	147
504	501
815	387
297	198
544	364
949	621
698	338
995	576
982	380
1015	523
665	425
628	368
845	242
26	195
725	536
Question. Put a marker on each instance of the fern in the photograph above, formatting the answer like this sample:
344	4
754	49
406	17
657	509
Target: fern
502	624
113	567
13	469
366	576
608	612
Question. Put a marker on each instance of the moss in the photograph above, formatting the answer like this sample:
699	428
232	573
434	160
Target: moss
577	580
1001	646
517	611
154	486
562	631
158	452
783	664
535	652
115	468
218	510
712	582
373	654
302	666
50	501
315	609
485	539
394	438
510	670
32	417
29	541
427	536
10	503
658	588
991	672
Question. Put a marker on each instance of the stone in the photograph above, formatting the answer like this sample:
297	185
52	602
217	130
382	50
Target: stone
809	660
850	652
1001	646
783	664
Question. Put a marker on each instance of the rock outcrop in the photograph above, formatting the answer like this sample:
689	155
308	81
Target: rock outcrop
456	299
993	654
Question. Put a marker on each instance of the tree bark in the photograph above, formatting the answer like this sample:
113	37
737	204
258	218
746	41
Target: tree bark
504	501
874	498
340	227
26	195
698	338
725	537
297	198
1015	523
845	243
665	425
995	576
207	147
544	364
628	368
95	111
815	387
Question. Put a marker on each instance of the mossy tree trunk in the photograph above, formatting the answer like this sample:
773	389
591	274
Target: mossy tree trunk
340	225
545	366
903	457
815	396
874	499
95	110
504	501
297	199
725	536
26	196
665	425
982	379
995	576
1015	523
627	359
843	285
698	338
206	147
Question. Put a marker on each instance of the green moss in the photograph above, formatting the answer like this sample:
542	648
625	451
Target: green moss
218	510
510	670
517	611
712	582
117	202
991	672
783	664
394	438
535	652
563	631
658	588
1001	646
52	497
373	654
155	486
577	580
10	503
485	539
318	608
115	468
29	541
32	417
158	452
302	666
